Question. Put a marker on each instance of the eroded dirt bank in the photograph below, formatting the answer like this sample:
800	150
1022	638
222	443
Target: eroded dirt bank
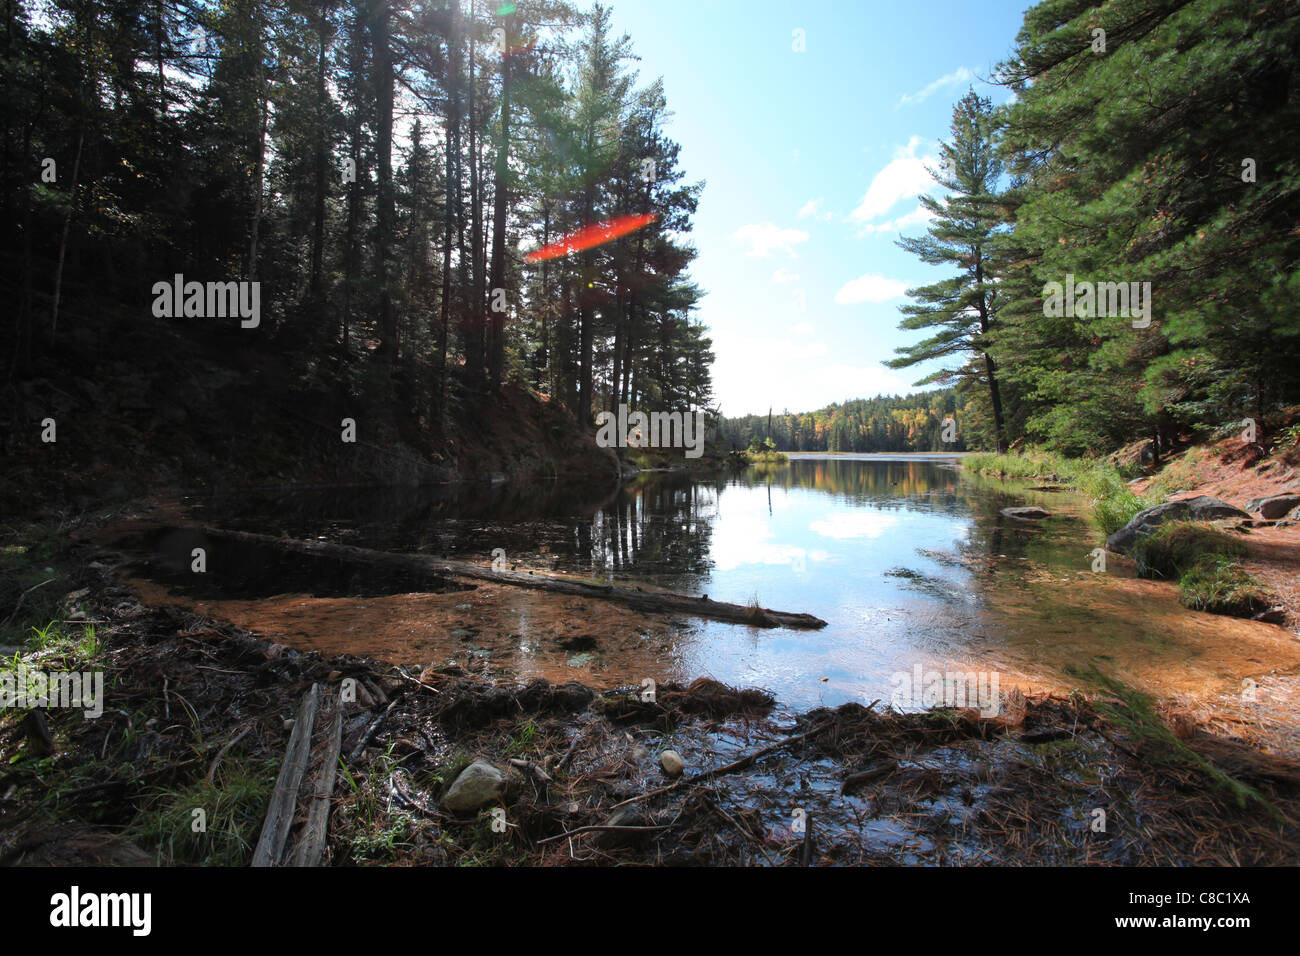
195	718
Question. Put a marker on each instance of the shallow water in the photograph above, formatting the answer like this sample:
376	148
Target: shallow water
907	559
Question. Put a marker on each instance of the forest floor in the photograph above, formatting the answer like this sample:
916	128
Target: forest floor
195	718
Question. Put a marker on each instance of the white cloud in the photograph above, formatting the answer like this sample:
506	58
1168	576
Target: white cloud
955	78
844	525
920	216
869	288
784	276
745	538
803	328
762	238
904	178
813	208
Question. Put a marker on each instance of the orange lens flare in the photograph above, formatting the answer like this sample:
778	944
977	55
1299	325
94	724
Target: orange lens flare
596	234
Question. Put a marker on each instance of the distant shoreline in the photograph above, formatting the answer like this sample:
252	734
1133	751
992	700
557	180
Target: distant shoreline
870	455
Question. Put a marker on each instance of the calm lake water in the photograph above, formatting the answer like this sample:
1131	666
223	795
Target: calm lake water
907	559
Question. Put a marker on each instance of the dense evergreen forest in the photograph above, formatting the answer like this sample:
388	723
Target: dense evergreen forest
884	423
396	174
1123	235
441	200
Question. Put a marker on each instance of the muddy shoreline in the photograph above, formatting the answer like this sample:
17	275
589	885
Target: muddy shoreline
195	718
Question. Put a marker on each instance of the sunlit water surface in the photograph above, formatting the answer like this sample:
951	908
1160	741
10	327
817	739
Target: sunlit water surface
908	560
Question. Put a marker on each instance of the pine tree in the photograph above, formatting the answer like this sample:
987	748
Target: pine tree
963	309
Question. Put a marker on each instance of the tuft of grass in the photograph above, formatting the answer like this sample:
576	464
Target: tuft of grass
71	644
374	833
523	742
32	579
233	806
1176	547
755	613
1220	586
1115	510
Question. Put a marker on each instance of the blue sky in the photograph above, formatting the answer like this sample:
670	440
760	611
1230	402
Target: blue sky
813	162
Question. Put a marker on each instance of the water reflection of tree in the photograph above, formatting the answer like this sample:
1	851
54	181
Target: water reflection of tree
660	524
847	478
461	518
1064	539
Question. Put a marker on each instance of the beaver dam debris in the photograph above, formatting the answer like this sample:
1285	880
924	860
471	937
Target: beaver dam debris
655	601
198	714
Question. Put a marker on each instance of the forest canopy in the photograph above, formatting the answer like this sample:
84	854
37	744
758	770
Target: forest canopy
382	168
1148	160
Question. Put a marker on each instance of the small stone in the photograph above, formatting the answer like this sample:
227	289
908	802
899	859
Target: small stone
289	722
672	763
1026	514
474	788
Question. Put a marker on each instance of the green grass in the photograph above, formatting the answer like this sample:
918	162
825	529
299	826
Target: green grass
1176	547
66	641
375	833
232	806
1220	586
31	588
1113	503
1178	475
1204	561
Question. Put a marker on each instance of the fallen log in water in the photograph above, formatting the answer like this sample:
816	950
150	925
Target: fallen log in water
663	602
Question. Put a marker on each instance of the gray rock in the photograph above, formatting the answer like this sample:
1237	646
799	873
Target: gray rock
1292	518
474	788
1200	508
1026	514
1274	506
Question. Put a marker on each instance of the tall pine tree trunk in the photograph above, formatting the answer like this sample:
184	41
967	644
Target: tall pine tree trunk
384	212
473	321
500	196
63	240
322	166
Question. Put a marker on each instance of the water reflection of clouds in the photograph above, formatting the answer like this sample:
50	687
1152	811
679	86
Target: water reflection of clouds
747	539
846	525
